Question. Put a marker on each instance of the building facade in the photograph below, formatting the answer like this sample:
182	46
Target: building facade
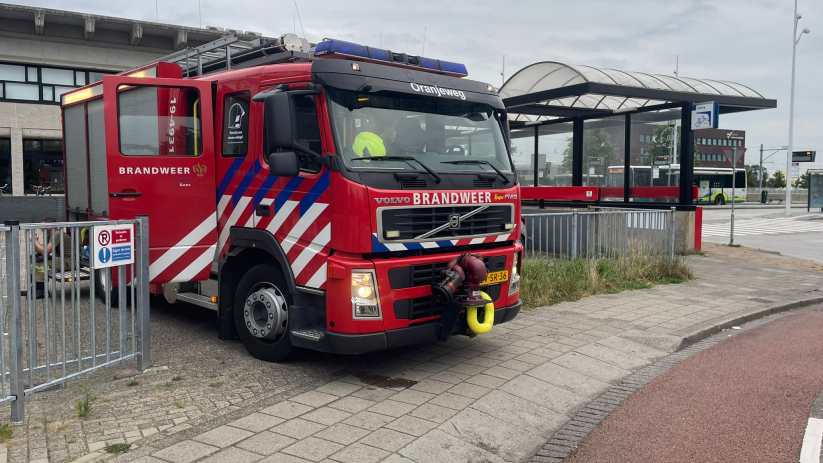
44	53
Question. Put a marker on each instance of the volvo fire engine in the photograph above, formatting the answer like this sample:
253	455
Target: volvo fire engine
334	197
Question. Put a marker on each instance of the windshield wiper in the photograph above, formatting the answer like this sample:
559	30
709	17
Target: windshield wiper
478	161
401	158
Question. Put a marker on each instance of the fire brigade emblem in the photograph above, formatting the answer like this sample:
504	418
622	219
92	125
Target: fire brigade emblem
454	221
200	170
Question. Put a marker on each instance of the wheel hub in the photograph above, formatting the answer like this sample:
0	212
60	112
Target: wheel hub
266	313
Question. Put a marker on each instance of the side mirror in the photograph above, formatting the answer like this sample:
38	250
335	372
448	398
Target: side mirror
279	122
284	164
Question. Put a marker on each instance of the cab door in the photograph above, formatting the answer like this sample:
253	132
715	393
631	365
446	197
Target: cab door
161	163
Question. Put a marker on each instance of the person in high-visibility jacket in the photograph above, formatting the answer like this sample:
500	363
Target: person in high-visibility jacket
367	142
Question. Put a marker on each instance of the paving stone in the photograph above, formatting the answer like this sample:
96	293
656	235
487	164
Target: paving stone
503	373
314	398
467	369
387	439
431	386
579	383
520	412
488	381
392	408
544	394
283	458
338	388
185	452
352	404
492	434
223	436
368	420
342	433
413	397
94	446
434	413
450	400
616	358
313	449
470	390
450	377
589	366
266	443
148	459
233	455
287	409
326	415
256	422
359	453
298	428
395	458
440	447
374	393
411	425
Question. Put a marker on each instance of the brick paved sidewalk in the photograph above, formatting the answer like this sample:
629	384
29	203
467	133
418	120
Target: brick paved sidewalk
496	397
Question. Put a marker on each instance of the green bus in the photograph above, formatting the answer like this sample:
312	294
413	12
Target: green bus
714	184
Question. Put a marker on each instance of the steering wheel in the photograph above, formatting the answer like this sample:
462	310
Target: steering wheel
455	150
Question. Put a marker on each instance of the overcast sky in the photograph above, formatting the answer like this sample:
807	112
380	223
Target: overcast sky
746	41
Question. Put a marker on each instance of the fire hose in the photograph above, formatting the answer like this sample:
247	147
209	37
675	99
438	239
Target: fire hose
460	289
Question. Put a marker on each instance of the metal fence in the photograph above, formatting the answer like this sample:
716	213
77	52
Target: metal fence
50	331
600	232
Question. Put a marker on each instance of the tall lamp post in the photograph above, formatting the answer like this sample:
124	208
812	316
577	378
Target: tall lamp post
795	40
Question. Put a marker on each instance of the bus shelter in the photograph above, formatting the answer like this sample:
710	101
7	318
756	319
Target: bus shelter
584	135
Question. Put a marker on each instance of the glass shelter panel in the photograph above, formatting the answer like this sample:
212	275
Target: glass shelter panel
604	142
655	151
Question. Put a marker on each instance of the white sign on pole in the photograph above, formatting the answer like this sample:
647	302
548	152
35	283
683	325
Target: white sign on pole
795	170
591	170
705	115
112	245
656	172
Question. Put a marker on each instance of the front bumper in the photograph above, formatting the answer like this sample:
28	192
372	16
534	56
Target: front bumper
339	343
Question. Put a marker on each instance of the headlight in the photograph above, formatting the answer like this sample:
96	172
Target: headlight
364	298
514	282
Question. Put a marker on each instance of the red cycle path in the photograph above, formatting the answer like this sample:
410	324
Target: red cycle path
746	399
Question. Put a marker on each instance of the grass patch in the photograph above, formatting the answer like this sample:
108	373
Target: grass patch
85	404
177	378
133	383
547	282
217	384
179	404
117	449
6	432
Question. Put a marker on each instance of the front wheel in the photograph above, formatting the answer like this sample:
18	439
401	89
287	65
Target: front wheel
719	200
261	313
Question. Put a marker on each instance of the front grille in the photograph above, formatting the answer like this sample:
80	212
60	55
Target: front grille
412	222
423	307
413	183
483	183
426	274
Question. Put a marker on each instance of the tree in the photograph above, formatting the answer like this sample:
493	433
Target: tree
596	144
661	144
778	180
803	182
751	175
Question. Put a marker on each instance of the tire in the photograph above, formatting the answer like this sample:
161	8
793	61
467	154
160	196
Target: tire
718	200
102	285
253	313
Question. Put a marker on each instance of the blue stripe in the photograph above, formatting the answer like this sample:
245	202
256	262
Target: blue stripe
318	189
264	189
377	246
413	246
286	193
228	177
244	185
444	244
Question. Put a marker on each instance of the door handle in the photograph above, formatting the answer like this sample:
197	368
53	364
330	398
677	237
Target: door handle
263	210
126	194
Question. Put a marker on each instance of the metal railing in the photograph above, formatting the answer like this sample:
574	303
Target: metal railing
55	333
600	232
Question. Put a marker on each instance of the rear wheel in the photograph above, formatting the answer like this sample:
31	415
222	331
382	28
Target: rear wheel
103	285
261	313
719	201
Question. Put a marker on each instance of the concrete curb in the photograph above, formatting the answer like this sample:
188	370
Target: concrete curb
727	323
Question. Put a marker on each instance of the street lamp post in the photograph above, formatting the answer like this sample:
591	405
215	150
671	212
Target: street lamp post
795	40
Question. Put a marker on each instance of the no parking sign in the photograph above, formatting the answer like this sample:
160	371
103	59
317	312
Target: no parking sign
112	245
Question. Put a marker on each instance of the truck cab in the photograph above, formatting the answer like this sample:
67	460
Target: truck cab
311	201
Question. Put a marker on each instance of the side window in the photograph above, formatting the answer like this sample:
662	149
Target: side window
159	121
308	131
236	124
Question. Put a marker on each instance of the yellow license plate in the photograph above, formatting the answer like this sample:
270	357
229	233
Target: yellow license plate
493	278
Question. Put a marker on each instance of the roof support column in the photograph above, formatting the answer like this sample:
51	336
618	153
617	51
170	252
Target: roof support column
627	159
536	150
577	152
686	156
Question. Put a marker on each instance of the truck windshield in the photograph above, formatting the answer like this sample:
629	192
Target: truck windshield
434	131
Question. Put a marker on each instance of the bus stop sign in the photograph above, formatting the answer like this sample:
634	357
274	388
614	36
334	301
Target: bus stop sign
734	155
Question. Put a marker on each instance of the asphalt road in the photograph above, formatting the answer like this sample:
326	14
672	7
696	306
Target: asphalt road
799	236
746	399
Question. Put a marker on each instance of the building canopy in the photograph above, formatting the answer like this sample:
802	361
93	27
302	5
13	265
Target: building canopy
549	90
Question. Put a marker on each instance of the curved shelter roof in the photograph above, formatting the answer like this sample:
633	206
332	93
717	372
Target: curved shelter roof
549	90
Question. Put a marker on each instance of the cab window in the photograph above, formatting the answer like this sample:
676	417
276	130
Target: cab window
236	124
308	131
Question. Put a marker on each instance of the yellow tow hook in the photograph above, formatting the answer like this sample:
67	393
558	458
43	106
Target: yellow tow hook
488	316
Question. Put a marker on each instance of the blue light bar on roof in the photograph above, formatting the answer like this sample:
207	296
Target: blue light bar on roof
342	49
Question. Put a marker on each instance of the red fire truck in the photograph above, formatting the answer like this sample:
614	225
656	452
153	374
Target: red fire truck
334	197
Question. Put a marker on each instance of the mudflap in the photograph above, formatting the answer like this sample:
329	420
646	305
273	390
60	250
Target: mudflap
448	319
227	330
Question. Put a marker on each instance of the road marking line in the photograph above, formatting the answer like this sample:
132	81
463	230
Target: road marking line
810	451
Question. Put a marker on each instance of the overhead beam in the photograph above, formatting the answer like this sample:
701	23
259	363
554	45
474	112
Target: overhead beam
88	27
136	34
181	39
39	21
557	111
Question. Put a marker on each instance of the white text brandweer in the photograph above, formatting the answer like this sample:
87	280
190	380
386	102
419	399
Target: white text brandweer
155	170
